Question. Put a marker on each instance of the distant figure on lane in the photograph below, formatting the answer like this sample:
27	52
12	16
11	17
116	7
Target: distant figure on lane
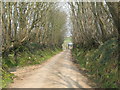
70	45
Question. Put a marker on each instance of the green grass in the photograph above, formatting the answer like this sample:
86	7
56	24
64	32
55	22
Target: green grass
7	78
101	63
25	58
68	39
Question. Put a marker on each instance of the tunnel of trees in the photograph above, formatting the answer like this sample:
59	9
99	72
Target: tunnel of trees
31	33
31	22
95	36
34	31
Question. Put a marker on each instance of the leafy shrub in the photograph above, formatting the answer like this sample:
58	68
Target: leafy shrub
28	54
7	78
101	63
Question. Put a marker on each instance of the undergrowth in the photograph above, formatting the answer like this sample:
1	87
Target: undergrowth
27	55
100	63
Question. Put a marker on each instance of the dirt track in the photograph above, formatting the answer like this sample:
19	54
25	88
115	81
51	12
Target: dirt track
58	72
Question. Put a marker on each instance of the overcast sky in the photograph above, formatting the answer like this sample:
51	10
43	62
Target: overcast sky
65	7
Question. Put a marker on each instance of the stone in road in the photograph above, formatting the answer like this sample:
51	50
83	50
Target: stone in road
58	72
